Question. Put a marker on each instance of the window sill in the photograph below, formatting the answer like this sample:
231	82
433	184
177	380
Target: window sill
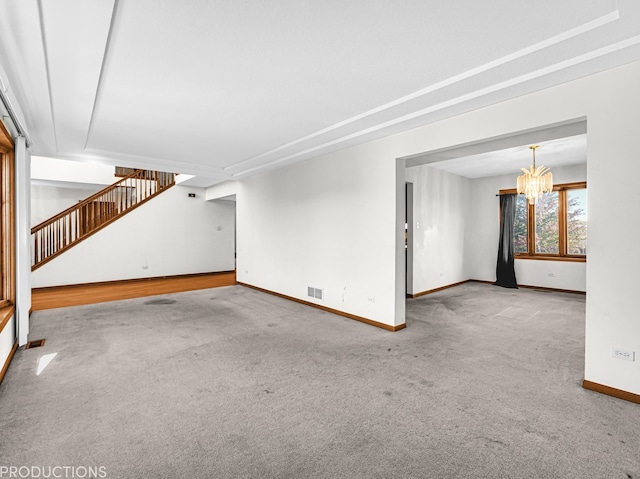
542	257
6	312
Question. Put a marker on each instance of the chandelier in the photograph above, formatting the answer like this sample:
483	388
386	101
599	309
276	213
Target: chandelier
535	181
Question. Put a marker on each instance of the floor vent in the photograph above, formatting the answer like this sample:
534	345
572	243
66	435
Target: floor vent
314	292
36	343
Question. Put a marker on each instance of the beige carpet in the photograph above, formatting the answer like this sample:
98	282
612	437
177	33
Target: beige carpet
235	383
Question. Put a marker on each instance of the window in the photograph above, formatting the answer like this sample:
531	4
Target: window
7	243
555	227
577	221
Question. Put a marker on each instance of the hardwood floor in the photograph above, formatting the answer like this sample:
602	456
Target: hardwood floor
79	294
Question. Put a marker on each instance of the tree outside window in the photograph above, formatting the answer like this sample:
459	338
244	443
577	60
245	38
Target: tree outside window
577	221
555	227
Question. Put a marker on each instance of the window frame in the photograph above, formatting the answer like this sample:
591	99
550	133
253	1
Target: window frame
7	228
562	255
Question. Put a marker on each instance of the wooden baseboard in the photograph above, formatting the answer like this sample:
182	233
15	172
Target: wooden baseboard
8	361
429	291
330	310
539	288
89	293
552	290
609	391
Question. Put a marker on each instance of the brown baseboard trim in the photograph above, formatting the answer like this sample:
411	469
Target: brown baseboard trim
329	310
552	290
540	288
8	361
609	391
429	291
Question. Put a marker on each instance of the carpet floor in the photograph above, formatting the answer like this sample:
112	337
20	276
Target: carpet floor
231	382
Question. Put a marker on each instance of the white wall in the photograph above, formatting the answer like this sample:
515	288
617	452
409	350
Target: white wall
53	169
48	200
610	101
482	245
7	339
327	223
172	234
613	302
456	230
441	214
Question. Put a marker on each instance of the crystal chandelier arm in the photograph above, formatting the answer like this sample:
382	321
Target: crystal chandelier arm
535	181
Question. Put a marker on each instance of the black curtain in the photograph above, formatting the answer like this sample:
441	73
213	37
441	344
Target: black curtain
505	273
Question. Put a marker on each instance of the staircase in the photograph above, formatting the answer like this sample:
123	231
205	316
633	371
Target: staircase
66	229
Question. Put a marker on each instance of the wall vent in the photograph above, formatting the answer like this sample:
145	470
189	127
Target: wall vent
314	292
36	343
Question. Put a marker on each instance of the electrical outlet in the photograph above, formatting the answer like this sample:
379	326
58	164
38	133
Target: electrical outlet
623	354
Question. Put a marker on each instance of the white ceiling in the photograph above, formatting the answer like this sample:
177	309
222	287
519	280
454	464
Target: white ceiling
553	153
225	89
